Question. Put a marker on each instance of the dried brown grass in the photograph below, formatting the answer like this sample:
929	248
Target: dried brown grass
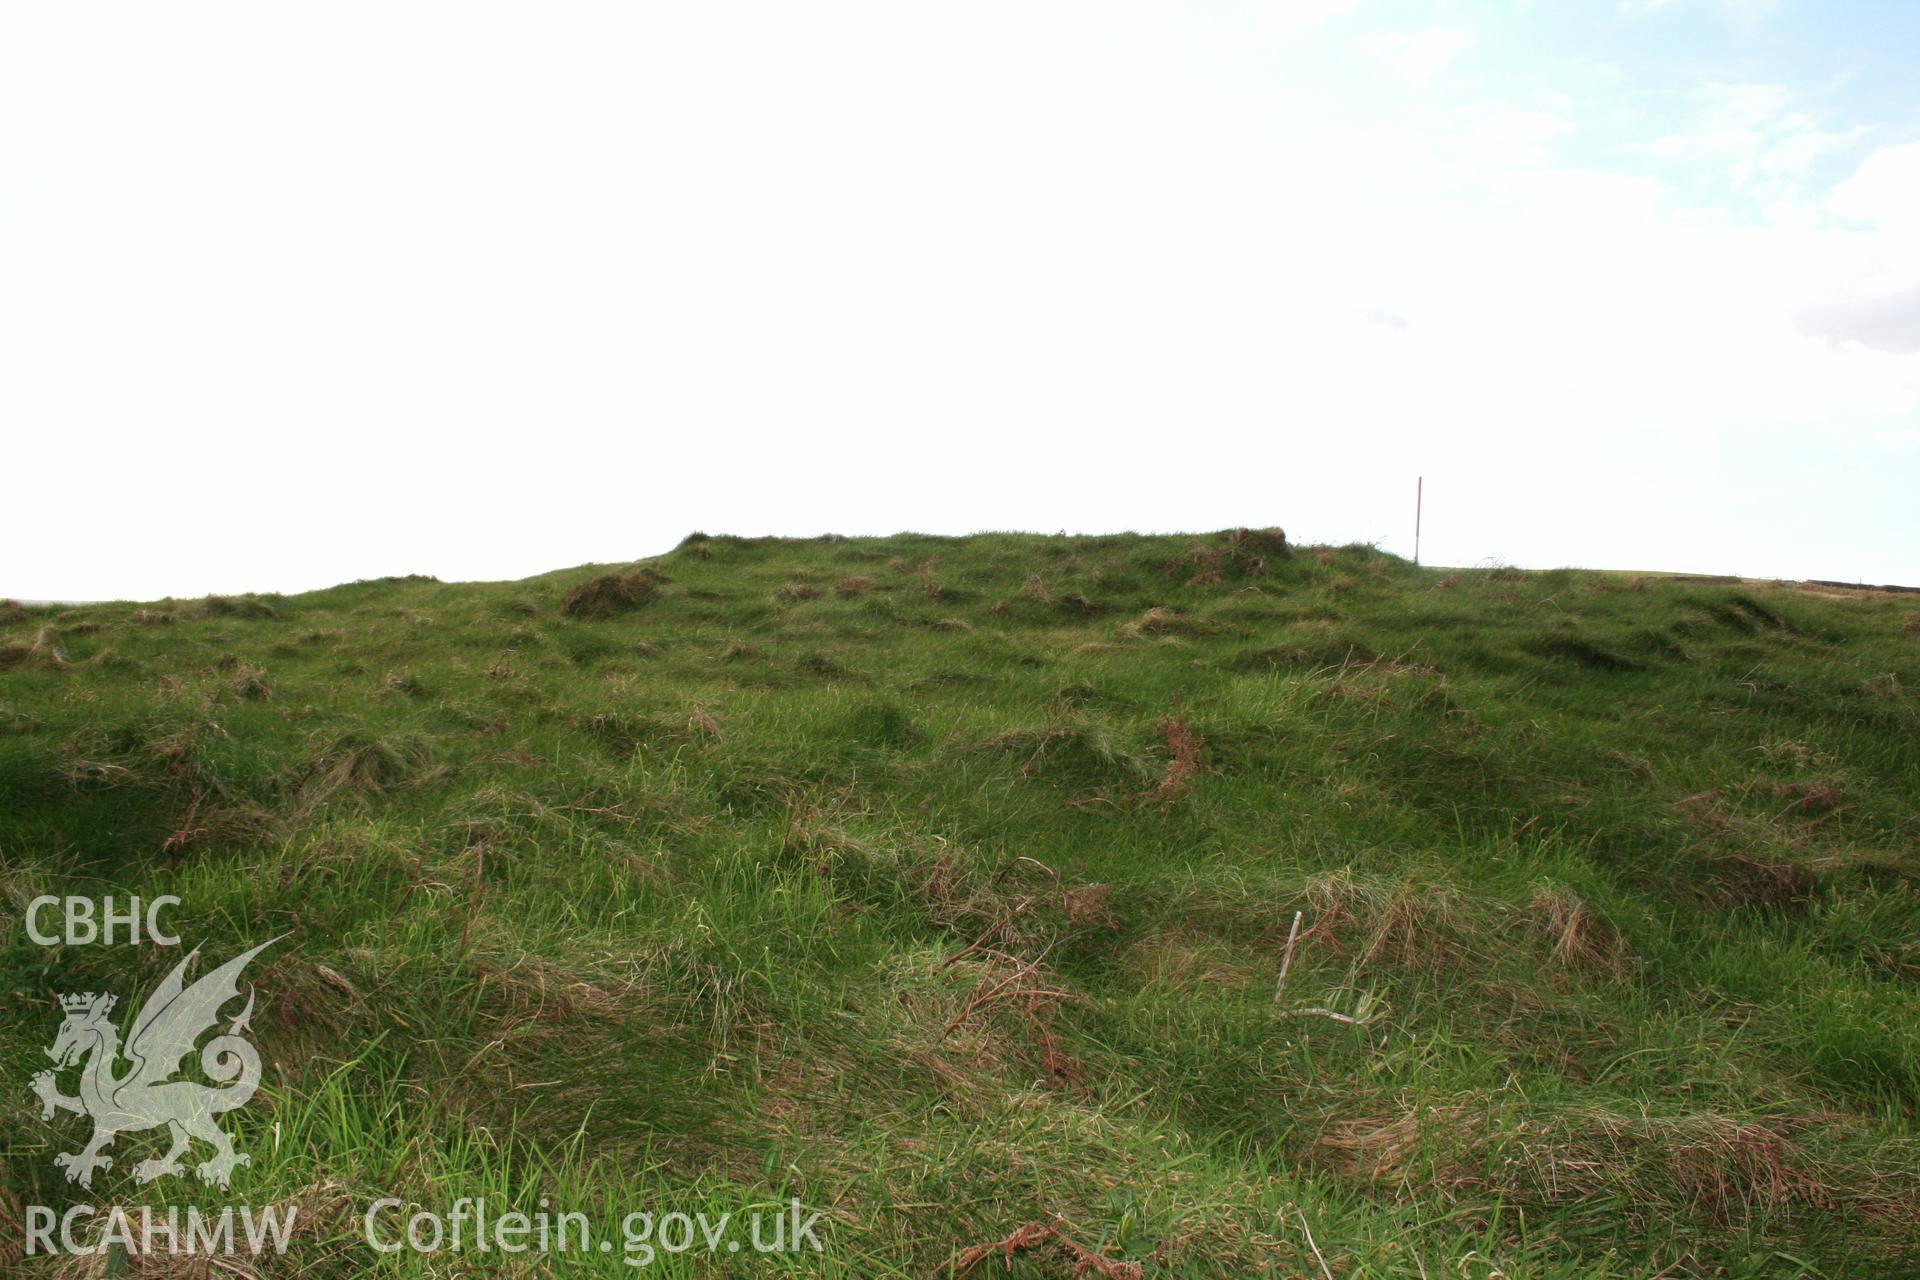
1758	880
1576	936
1724	1169
608	595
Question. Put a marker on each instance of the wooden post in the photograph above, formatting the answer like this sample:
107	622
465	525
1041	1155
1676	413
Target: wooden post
1419	488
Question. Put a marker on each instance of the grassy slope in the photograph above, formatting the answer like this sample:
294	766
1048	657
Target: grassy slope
673	908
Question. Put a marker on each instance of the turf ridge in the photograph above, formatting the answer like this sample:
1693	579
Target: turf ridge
945	884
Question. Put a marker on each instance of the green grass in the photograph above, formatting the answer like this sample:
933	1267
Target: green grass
944	884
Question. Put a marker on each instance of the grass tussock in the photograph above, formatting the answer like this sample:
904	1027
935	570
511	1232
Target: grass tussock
1717	1171
360	763
247	607
44	650
1576	936
1159	622
249	683
1234	555
1075	753
608	595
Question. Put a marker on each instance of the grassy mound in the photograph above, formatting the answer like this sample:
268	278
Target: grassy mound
1183	906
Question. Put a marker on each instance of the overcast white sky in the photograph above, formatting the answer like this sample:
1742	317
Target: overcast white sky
291	295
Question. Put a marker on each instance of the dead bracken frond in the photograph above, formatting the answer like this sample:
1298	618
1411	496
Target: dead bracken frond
1183	758
1032	994
1081	1260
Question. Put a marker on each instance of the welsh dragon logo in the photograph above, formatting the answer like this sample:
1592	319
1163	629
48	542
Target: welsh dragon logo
146	1096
